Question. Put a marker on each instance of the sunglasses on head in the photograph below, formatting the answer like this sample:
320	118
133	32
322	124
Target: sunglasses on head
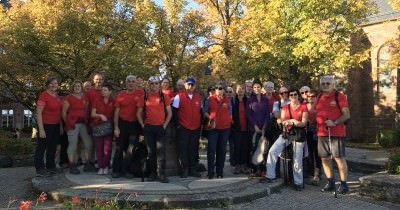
293	94
219	88
325	83
305	92
285	92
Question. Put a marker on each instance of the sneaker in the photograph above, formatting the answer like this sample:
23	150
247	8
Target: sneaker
267	180
106	171
343	188
42	172
74	170
100	171
89	167
330	186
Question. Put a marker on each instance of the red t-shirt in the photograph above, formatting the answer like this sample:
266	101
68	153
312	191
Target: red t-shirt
242	116
169	93
297	113
127	102
223	120
93	95
155	113
52	106
103	108
76	111
272	100
327	109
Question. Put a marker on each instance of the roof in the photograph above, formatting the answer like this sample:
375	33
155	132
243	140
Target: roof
386	13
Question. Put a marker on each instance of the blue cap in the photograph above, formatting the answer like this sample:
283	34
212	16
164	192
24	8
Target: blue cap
190	81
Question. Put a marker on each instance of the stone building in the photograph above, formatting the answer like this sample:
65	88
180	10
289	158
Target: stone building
372	91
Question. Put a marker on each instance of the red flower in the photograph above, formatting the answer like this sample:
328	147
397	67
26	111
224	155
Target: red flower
75	200
25	205
42	197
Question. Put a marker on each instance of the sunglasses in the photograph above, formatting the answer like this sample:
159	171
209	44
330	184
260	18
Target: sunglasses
325	83
190	84
153	83
219	88
293	94
305	92
311	96
286	92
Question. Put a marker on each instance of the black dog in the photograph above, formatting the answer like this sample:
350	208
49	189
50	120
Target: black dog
139	162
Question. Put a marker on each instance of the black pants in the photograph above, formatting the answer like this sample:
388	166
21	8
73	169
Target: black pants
188	145
313	160
48	145
63	149
242	149
129	132
155	143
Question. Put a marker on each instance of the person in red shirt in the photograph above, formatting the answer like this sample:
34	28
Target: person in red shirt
332	112
103	111
155	107
219	110
240	131
48	112
294	116
187	106
165	87
74	112
125	125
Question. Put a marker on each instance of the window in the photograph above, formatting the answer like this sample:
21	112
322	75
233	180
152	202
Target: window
7	116
27	118
386	73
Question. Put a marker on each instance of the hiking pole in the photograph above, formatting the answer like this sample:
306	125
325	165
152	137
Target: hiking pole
330	145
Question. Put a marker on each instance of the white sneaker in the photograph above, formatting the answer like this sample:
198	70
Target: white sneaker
100	172
105	171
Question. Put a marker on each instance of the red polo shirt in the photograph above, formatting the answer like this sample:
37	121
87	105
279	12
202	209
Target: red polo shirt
297	113
223	120
189	110
76	111
155	113
127	102
107	109
327	109
169	93
52	106
93	95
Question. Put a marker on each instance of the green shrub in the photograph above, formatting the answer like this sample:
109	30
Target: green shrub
393	165
389	138
16	146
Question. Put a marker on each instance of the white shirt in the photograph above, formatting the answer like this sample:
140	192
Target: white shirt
175	104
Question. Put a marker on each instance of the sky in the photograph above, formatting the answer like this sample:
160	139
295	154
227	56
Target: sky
191	4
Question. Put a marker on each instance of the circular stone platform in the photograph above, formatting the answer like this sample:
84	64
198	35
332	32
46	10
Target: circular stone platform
178	193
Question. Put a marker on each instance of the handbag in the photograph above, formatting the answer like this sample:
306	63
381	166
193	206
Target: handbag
297	134
103	129
262	146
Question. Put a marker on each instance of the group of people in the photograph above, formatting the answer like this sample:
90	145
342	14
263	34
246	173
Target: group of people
312	122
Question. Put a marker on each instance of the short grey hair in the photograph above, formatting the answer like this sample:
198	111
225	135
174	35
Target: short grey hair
130	77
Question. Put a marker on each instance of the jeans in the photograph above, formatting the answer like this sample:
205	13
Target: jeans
48	145
216	151
276	149
155	142
103	150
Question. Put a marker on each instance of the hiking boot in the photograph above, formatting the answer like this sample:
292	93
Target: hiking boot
185	173
116	175
330	186
89	167
52	171
42	172
343	188
74	170
162	179
194	173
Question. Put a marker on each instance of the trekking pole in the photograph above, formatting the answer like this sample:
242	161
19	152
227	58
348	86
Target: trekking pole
330	145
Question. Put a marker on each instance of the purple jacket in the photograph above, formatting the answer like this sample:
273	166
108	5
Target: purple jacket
257	113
